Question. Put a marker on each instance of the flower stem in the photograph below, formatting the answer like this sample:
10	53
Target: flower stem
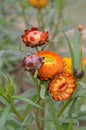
23	13
39	113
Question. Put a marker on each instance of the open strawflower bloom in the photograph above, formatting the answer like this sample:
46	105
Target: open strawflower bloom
34	37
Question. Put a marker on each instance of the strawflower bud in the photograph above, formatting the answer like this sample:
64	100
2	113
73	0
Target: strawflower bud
80	27
32	62
34	37
78	73
61	86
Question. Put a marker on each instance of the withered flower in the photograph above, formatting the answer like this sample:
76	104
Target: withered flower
61	86
35	37
32	62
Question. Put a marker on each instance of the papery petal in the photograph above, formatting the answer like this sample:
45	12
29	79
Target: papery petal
61	87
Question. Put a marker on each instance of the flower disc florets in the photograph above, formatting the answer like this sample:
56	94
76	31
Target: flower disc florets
61	86
32	62
53	64
34	37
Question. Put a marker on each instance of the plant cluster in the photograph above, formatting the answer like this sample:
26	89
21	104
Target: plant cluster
55	101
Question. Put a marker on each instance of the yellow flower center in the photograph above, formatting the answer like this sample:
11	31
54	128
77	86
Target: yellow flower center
48	60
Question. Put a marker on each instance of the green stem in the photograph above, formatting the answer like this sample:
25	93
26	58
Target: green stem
39	113
40	19
64	107
17	113
23	13
36	84
37	50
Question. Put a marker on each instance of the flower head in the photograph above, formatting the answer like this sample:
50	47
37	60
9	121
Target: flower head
38	3
53	64
78	73
67	65
84	62
32	62
34	37
61	86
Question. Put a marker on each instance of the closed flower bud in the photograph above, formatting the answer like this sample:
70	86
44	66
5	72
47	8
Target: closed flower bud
32	62
78	73
80	27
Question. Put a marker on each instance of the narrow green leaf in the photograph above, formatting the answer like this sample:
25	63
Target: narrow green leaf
70	50
53	114
77	50
15	123
2	92
4	116
80	114
72	106
70	126
28	121
29	107
25	100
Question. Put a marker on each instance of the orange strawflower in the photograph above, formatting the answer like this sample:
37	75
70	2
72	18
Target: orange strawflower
53	64
61	86
38	3
67	65
84	62
34	37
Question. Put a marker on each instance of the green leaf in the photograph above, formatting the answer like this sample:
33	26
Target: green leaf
70	126
70	49
2	92
81	115
53	114
72	106
26	100
29	107
77	50
16	124
4	116
28	121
